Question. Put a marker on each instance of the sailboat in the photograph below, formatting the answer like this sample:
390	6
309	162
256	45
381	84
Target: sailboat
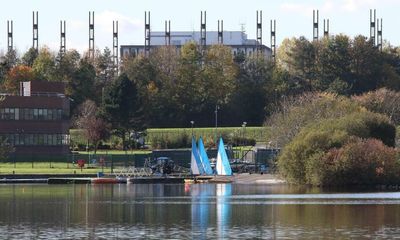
204	158
196	167
222	167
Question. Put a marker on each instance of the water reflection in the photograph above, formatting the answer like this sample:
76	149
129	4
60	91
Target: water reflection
224	191
199	211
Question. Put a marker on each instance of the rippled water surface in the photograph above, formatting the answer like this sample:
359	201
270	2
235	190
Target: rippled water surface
199	211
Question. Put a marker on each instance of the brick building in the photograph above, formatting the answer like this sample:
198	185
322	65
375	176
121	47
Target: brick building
36	121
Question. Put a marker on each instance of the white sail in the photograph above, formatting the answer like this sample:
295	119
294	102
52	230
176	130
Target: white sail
204	158
222	166
196	167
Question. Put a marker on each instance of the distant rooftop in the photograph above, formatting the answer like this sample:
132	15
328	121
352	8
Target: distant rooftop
179	38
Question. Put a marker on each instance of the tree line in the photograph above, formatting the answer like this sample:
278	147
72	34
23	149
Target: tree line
175	87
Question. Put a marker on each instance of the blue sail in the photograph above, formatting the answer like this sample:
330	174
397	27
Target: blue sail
222	167
196	167
204	158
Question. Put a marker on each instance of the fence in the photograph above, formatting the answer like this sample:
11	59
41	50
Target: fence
181	157
71	160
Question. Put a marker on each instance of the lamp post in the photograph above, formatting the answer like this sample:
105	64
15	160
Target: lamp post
192	122
216	123
244	129
243	135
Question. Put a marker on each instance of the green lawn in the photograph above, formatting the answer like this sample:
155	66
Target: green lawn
47	168
257	133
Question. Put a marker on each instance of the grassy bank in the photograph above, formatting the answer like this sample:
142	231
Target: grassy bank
48	168
259	134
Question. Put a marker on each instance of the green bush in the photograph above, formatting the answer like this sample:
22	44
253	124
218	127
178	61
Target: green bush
297	112
241	141
181	140
304	160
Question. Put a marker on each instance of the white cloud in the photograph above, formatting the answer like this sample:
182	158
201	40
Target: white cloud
104	20
303	9
306	9
354	5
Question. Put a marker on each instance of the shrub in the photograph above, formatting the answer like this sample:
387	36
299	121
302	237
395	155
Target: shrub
363	161
181	140
383	101
304	160
297	112
5	149
241	141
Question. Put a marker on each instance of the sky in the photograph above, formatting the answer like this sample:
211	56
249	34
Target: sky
293	18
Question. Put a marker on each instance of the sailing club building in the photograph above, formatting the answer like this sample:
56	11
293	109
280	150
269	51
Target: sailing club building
36	121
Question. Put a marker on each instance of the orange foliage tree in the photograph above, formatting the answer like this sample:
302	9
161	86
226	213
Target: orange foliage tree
15	75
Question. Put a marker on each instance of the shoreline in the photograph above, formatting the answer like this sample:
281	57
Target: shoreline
243	178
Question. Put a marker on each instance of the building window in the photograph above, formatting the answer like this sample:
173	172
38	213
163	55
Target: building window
32	114
37	139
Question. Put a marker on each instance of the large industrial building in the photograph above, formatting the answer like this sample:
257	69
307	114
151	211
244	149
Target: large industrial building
36	121
236	40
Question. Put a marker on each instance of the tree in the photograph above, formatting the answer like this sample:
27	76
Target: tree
253	87
17	74
300	62
366	65
66	65
143	73
219	75
7	62
44	65
383	101
162	105
122	107
5	148
96	129
29	57
81	85
334	64
105	71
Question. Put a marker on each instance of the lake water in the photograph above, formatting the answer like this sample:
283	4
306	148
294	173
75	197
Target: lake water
199	211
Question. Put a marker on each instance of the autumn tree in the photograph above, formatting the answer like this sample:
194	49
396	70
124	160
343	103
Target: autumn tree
8	61
88	119
383	101
17	74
